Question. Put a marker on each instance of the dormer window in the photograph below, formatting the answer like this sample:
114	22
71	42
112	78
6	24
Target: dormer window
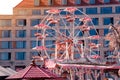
50	2
36	2
64	2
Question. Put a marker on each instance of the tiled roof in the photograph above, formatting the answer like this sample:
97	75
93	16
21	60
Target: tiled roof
43	3
33	71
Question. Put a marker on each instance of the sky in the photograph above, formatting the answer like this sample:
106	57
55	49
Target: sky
6	6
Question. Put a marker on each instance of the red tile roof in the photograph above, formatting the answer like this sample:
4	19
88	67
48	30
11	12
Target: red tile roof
43	3
33	71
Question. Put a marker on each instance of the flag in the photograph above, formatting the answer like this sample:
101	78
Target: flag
50	63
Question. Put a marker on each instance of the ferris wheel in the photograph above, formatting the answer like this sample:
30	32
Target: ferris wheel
68	34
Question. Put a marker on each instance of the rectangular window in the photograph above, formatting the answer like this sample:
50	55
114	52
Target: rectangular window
117	9
78	33
79	11
95	21
106	1
35	22
77	1
6	33
33	54
20	55
108	20
5	22
50	2
20	33
64	2
106	43
65	32
45	11
5	55
91	10
50	32
35	43
106	10
36	12
93	32
106	31
6	44
64	22
95	52
34	31
20	44
21	22
92	1
36	2
50	43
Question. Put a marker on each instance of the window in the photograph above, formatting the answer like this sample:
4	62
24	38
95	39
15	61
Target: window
6	33
34	44
106	10
50	43
79	33
36	2
64	32
6	44
20	33
21	22
79	11
106	43
91	10
77	1
93	32
50	2
35	22
108	20
117	9
5	22
45	11
64	2
5	55
95	21
63	22
92	1
108	53
34	31
36	12
50	32
106	1
20	44
95	52
106	31
20	55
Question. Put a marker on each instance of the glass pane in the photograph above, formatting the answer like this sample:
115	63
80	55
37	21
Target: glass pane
20	55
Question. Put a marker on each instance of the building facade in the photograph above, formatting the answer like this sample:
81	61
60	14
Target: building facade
17	32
